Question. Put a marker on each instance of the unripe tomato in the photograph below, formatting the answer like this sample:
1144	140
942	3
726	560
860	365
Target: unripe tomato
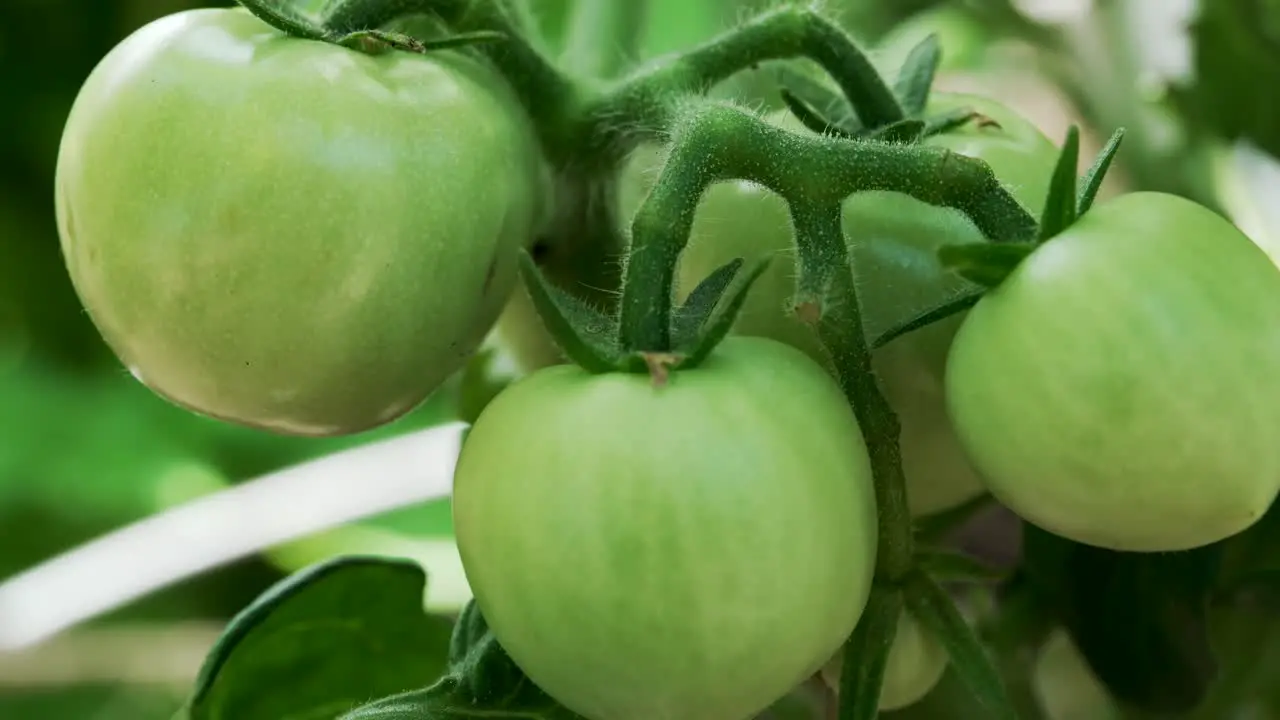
687	552
893	243
1121	388
916	664
286	233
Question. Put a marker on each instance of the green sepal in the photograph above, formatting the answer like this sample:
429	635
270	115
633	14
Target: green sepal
935	314
689	318
820	99
987	264
585	335
915	77
1060	206
903	131
810	117
322	641
938	615
720	321
375	42
866	655
482	681
951	120
1092	180
950	566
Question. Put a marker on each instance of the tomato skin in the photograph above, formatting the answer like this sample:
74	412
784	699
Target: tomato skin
692	551
917	662
894	239
1099	389
288	234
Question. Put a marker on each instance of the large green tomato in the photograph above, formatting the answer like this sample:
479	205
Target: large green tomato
688	552
916	664
1122	387
893	242
289	234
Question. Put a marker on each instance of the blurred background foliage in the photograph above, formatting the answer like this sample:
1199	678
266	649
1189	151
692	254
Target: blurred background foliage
84	448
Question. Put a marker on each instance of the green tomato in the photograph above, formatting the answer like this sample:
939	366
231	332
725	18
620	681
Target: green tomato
916	664
288	234
689	552
893	242
1120	388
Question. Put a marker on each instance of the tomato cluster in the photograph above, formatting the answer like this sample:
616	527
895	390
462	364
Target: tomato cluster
310	239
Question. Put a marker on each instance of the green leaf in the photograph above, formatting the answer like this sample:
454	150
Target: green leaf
821	98
1140	619
323	641
915	78
866	655
1060	207
1236	68
483	681
720	321
951	120
986	264
1092	180
935	314
938	614
698	306
951	566
583	333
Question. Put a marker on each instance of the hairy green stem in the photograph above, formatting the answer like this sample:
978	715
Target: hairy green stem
826	287
604	37
285	19
784	33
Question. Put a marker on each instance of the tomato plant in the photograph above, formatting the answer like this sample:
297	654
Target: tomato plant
290	234
1098	388
915	665
893	238
601	529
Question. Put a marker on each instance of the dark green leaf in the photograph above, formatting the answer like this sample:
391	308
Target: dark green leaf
866	655
1236	69
904	131
1140	619
824	99
323	641
1092	180
1060	207
809	116
938	614
584	334
915	78
690	317
483	682
957	305
986	264
721	320
951	566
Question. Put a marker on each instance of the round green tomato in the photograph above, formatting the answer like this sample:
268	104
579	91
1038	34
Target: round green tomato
1121	387
690	552
289	234
894	239
916	664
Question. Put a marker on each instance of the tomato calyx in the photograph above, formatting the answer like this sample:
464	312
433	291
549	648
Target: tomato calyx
1068	200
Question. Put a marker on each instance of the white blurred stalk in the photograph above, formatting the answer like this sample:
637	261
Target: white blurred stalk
179	543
